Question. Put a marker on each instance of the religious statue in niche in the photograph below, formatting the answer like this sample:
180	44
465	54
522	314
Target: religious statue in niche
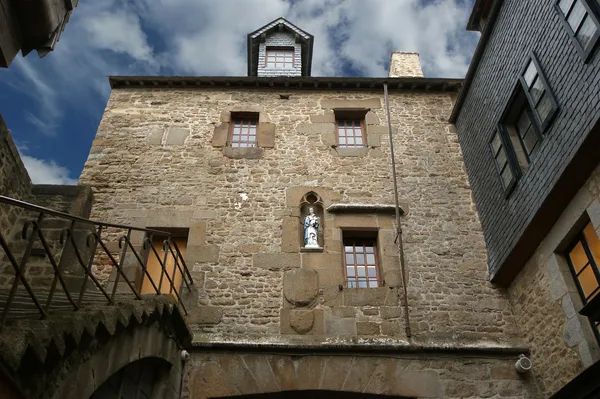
311	229
311	221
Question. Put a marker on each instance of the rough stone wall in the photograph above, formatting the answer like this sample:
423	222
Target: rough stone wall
545	300
279	39
237	210
405	64
14	180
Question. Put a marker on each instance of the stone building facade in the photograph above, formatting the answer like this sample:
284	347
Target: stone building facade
271	315
535	221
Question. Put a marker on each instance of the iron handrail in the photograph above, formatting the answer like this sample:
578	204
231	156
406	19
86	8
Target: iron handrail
48	211
97	248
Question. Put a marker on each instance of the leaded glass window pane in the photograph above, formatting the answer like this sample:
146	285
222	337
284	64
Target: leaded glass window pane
576	16
586	32
350	133
361	267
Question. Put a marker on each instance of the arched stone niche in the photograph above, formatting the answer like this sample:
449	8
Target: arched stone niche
314	201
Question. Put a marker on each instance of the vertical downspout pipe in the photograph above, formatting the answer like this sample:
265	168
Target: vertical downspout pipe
398	225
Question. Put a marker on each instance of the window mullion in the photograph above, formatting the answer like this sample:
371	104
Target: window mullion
591	259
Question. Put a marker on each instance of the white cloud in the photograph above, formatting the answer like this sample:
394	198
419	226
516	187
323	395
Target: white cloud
118	32
46	172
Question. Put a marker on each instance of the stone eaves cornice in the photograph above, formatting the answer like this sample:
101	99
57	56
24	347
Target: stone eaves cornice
288	83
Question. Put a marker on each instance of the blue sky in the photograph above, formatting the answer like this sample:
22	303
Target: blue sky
53	105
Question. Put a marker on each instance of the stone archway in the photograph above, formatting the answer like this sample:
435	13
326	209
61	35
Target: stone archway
70	355
316	394
140	379
145	345
225	375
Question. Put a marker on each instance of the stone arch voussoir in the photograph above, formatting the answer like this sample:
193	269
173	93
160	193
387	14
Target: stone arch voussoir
223	375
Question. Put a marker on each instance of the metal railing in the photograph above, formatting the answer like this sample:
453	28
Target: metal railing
98	237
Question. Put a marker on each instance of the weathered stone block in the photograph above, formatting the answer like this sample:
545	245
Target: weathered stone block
329	139
286	325
367	328
316	128
392	278
344	311
261	369
243	153
235	368
205	315
378	130
266	135
300	286
197	234
327	118
158	218
391	328
177	136
371	118
349	152
321	261
331	296
220	135
202	253
331	277
356	221
155	136
290	237
419	384
365	296
390	312
301	320
225	117
366	103
284	372
374	140
276	261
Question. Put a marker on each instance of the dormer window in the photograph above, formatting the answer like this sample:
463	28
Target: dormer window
279	49
279	58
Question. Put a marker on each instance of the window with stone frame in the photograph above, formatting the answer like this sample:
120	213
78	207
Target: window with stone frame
243	130
361	261
582	20
583	256
350	129
279	57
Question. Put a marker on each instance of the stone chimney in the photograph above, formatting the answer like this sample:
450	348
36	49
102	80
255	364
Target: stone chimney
405	64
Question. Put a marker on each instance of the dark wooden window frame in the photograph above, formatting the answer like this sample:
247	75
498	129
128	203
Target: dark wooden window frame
243	117
542	125
535	131
364	236
521	94
271	48
593	12
515	172
580	237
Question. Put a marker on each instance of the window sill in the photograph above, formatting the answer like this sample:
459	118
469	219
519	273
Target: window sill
243	153
309	250
349	152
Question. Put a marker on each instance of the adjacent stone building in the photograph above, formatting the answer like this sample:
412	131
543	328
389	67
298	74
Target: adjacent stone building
232	165
528	123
